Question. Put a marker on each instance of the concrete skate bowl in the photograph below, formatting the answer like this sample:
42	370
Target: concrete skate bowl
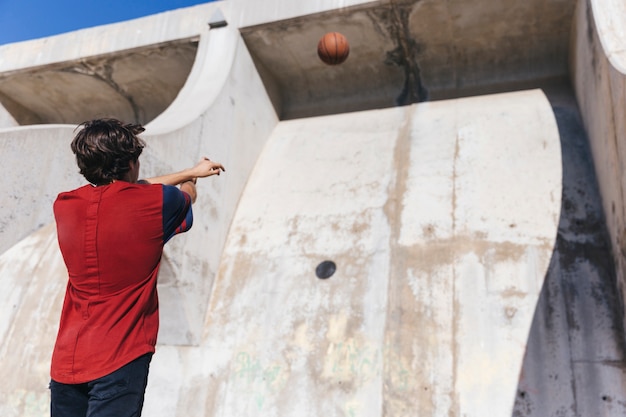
447	222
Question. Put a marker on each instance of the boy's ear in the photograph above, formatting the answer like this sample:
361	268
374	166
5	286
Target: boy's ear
133	164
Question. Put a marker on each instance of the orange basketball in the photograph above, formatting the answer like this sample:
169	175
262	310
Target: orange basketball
333	48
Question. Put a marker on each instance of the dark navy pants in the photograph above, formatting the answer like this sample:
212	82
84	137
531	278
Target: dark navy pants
119	394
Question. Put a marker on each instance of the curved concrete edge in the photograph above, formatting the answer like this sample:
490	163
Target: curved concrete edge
439	266
196	125
574	361
610	21
214	59
600	85
373	333
101	40
32	284
232	130
158	28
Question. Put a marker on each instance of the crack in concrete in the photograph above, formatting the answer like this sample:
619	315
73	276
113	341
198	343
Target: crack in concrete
104	73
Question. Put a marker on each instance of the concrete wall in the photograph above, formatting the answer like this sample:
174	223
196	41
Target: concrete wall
463	253
230	123
406	201
599	77
152	30
438	269
26	160
231	128
573	364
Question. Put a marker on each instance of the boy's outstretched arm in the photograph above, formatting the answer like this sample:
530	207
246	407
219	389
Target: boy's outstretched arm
204	168
187	177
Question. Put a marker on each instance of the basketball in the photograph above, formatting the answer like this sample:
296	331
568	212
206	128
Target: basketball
333	48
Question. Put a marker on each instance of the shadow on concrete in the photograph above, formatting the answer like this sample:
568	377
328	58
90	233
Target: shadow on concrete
574	363
132	85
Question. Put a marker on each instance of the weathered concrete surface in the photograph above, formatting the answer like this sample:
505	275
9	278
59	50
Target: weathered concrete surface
108	39
403	51
438	272
232	128
131	70
36	155
135	85
212	67
443	219
406	51
31	293
234	113
599	76
437	279
574	363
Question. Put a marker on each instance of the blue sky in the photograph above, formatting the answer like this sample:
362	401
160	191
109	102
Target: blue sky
31	19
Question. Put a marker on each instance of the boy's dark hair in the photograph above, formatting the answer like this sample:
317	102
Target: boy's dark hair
105	147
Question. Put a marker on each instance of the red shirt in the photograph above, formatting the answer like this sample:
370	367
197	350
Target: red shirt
111	238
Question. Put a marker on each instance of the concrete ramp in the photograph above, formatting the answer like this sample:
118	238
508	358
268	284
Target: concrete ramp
31	294
473	275
439	265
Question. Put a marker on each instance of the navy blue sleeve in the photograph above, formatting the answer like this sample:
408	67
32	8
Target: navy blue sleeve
177	213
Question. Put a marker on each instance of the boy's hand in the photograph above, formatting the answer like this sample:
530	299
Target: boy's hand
206	168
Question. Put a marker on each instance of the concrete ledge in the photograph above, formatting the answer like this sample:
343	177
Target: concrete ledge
107	39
